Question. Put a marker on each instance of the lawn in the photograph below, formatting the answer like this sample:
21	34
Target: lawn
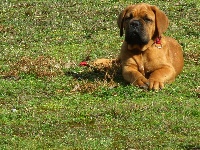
47	101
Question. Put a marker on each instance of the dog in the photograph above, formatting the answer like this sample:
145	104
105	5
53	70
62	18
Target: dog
148	58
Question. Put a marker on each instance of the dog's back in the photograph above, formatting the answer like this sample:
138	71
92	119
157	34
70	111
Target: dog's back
176	54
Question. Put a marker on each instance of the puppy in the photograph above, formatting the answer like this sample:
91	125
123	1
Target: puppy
148	59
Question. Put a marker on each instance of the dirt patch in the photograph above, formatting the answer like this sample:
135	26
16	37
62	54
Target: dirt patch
41	67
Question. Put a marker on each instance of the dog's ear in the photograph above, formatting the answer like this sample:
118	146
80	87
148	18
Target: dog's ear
162	21
120	20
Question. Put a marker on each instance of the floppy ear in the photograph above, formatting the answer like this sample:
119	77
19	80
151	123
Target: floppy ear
120	22
162	21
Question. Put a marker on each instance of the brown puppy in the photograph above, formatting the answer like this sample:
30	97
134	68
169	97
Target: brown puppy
148	58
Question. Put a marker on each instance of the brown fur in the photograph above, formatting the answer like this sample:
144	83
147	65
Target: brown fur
148	64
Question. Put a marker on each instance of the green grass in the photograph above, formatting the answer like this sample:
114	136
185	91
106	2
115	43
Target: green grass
48	102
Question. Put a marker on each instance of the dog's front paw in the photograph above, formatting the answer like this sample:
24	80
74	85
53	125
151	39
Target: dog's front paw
155	85
142	82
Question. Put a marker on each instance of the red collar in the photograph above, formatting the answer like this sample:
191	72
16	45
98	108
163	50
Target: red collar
158	43
158	40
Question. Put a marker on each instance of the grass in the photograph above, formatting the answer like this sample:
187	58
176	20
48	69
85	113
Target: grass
48	102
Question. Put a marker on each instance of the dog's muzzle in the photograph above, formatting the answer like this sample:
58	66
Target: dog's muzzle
135	33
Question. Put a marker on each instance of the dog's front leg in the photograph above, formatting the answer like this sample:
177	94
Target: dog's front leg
132	75
159	77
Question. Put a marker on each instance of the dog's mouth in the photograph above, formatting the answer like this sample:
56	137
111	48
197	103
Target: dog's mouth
135	39
135	34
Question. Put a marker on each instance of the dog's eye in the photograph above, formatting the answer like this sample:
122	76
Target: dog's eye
146	19
129	17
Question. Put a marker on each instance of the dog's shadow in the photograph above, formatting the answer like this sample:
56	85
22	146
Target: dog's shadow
92	75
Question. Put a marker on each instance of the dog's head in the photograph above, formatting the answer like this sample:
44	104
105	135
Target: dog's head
142	23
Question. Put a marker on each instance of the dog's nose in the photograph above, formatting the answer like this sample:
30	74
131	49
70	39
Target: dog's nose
134	23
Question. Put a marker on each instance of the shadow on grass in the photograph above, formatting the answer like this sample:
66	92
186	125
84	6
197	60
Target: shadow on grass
94	75
91	80
191	147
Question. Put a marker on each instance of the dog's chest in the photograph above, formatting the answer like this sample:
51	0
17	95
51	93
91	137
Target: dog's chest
147	62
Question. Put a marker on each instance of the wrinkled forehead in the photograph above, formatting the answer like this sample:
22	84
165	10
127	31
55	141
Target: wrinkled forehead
140	10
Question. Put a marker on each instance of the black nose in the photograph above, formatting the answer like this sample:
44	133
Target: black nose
134	23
